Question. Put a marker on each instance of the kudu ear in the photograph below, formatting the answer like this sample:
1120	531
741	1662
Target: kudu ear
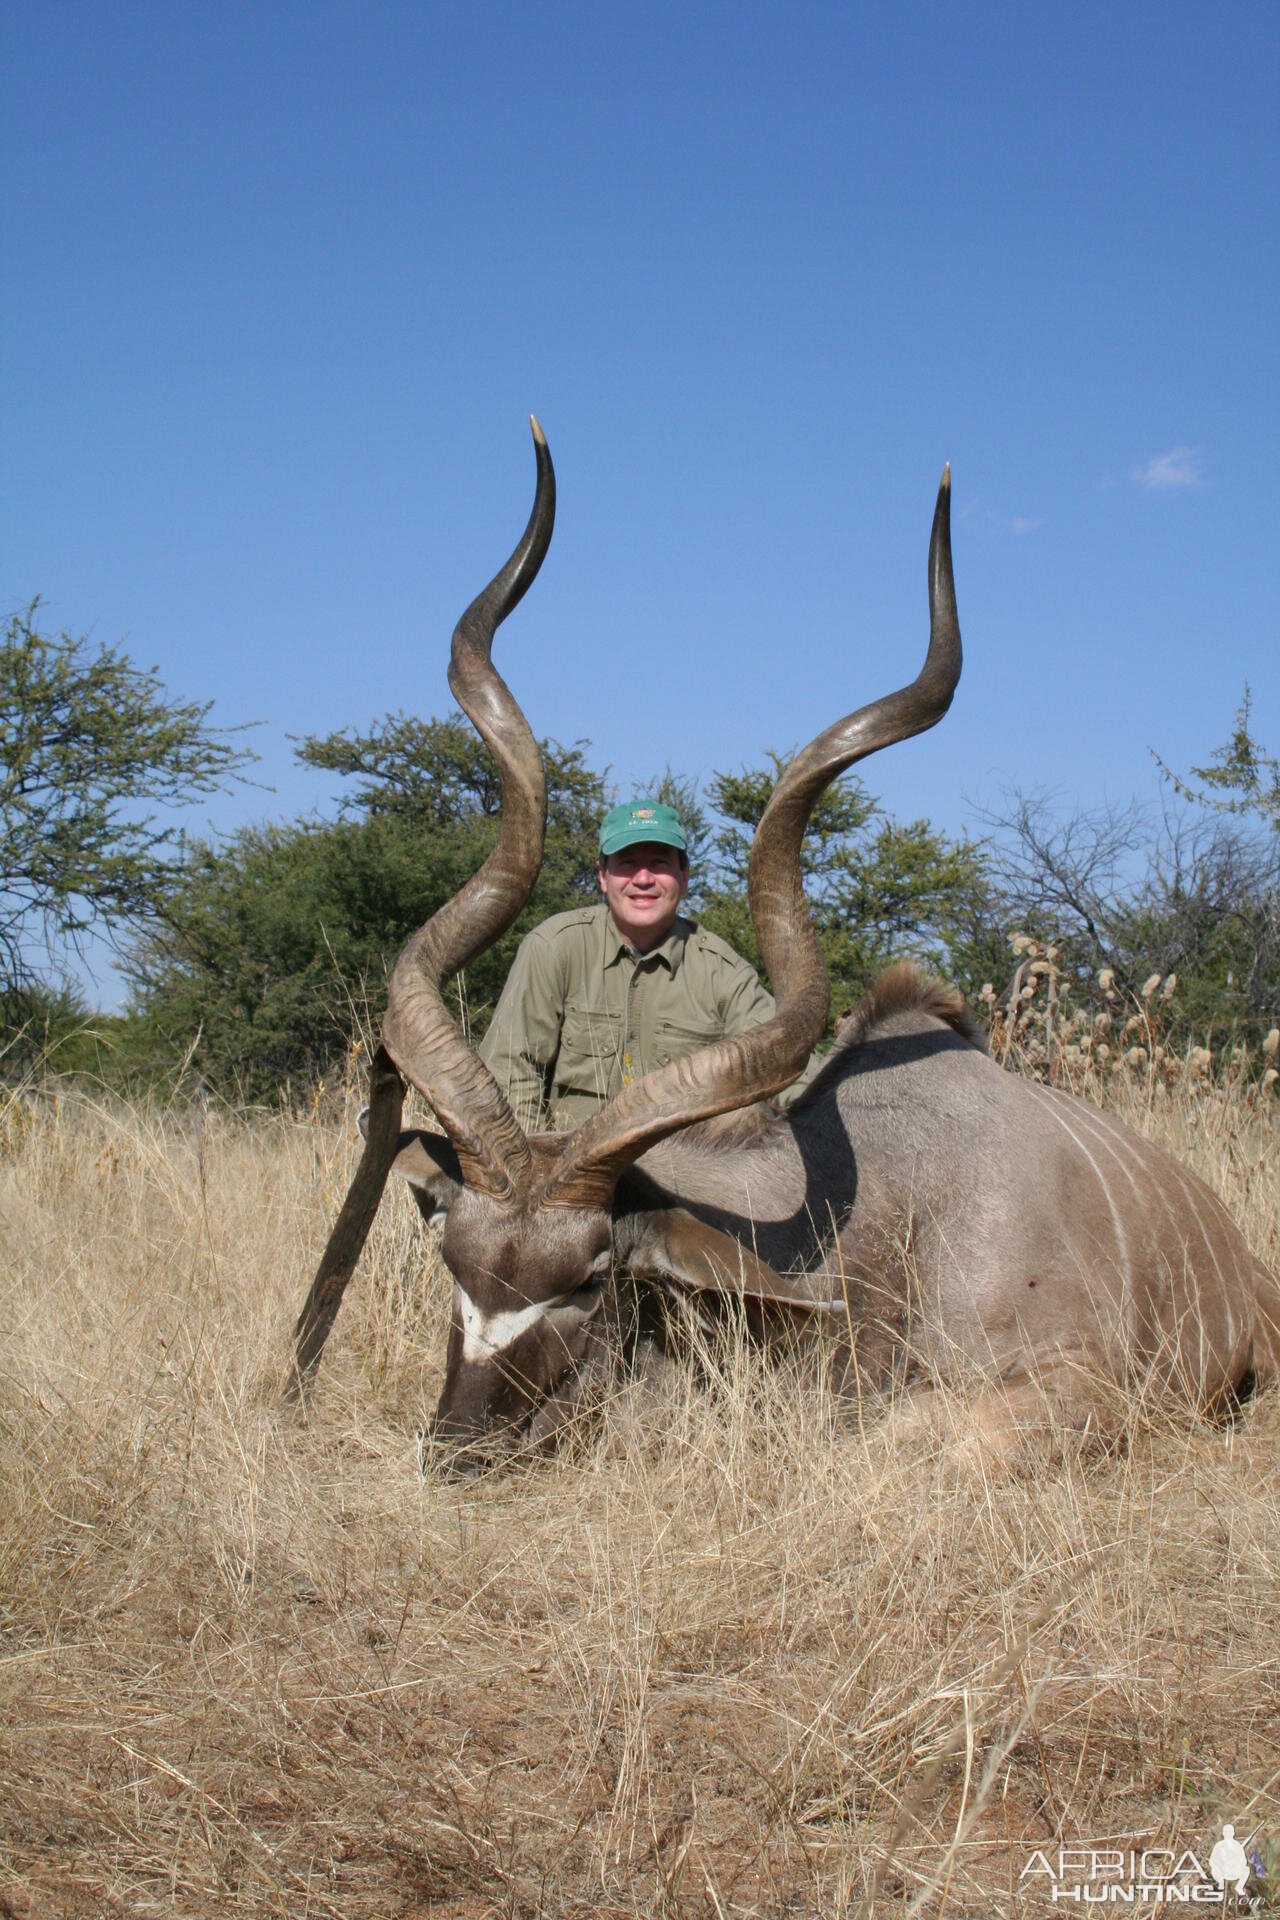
427	1162
674	1247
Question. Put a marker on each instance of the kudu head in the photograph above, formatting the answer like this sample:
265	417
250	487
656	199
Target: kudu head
528	1225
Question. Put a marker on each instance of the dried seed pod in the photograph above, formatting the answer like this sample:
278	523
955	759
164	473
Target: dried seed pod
1149	985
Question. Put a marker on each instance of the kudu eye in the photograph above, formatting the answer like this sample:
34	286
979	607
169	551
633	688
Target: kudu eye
585	1297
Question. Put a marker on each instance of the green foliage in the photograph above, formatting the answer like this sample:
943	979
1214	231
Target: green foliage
841	815
273	950
438	776
435	772
1241	777
47	1027
1214	922
277	947
90	744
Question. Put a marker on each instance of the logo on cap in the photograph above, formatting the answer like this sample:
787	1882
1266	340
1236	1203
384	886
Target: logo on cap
641	819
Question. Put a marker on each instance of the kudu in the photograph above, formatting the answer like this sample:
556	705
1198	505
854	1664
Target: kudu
931	1210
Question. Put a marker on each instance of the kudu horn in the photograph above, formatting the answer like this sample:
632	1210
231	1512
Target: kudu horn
750	1066
420	1039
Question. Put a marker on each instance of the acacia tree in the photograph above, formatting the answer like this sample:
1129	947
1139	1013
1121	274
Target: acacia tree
1241	777
275	947
879	889
90	747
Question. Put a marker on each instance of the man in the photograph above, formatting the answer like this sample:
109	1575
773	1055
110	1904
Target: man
600	995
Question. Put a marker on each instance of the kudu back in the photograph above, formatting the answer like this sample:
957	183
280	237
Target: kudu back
928	1211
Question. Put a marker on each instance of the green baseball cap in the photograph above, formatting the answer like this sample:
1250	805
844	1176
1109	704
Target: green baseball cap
637	821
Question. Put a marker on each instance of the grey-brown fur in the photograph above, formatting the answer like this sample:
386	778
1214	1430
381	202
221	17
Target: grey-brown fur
1016	1229
928	1214
927	1210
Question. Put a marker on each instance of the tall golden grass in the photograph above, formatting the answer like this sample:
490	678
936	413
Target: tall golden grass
726	1656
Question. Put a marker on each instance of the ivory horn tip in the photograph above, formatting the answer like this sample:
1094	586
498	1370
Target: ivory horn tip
538	434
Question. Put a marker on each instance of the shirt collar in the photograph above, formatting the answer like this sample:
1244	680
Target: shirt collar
669	951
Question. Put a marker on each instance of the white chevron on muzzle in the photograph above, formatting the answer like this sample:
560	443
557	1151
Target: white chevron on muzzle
485	1334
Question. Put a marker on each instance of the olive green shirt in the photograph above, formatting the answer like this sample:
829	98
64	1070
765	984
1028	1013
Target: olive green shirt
582	1014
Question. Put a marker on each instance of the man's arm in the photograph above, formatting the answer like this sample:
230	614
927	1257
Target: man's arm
523	1040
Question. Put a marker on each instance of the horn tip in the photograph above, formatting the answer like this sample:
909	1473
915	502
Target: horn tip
945	482
539	436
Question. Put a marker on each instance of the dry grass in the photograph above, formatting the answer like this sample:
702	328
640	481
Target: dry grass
727	1658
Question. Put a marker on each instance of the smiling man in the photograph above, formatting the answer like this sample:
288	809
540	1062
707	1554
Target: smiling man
598	996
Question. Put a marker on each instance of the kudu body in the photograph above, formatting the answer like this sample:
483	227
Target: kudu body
928	1210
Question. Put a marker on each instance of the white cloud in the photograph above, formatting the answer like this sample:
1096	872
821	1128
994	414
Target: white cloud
1180	467
1016	523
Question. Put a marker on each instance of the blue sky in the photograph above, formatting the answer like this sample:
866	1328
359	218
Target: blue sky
282	284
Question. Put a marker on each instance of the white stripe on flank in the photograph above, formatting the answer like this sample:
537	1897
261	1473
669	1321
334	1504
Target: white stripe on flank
1124	1147
1117	1224
484	1334
1192	1202
1139	1150
1103	1127
1107	1126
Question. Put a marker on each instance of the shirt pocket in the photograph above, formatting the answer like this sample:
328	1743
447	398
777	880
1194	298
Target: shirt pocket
673	1039
590	1057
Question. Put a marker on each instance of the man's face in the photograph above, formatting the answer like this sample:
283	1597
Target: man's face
644	886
